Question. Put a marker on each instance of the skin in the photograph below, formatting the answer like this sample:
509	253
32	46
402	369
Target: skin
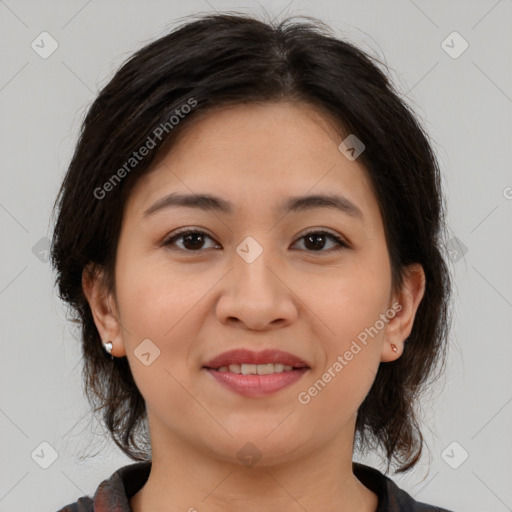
195	305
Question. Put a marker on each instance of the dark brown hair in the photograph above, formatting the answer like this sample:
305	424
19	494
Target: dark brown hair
225	59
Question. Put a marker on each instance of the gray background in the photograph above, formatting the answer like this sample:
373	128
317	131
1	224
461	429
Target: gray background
465	104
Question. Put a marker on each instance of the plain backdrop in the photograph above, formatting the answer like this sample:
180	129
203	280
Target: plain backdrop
463	97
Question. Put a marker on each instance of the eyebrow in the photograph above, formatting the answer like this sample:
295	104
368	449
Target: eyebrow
208	202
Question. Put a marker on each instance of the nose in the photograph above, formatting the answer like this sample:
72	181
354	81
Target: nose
256	295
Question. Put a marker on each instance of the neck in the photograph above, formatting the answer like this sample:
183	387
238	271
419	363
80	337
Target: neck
184	479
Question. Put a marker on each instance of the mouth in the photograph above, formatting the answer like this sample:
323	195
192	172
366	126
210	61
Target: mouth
257	369
251	362
256	374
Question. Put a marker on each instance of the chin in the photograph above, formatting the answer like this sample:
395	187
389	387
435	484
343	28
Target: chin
257	449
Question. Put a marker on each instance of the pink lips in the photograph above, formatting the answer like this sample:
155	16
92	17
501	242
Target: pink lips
240	356
256	385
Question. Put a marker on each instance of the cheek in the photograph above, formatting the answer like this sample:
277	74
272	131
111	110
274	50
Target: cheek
333	398
160	306
351	349
166	305
351	304
153	296
351	332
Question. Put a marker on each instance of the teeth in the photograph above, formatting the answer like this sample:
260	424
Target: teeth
249	369
256	369
265	369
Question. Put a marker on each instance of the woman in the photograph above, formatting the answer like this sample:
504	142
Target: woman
250	235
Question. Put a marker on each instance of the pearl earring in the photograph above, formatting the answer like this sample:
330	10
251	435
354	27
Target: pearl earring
108	347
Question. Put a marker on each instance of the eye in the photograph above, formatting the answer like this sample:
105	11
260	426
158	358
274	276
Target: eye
193	240
316	241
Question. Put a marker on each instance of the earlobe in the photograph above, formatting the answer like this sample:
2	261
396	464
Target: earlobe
103	309
400	326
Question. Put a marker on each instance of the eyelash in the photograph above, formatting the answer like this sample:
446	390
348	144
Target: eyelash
341	244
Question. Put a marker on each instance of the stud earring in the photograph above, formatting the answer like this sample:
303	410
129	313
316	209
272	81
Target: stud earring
393	348
108	347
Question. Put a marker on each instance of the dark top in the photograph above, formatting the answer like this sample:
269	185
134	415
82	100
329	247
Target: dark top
113	494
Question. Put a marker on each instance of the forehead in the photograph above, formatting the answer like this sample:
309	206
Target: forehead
256	155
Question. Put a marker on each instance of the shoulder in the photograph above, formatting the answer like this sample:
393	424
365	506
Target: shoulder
83	504
113	494
391	497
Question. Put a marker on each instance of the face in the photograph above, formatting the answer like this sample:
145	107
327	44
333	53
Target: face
258	271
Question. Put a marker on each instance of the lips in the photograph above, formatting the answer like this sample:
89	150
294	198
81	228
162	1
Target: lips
244	356
256	374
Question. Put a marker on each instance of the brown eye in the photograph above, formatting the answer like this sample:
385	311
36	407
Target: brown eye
315	241
191	240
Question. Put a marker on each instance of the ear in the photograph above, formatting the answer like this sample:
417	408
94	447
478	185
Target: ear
405	305
103	307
